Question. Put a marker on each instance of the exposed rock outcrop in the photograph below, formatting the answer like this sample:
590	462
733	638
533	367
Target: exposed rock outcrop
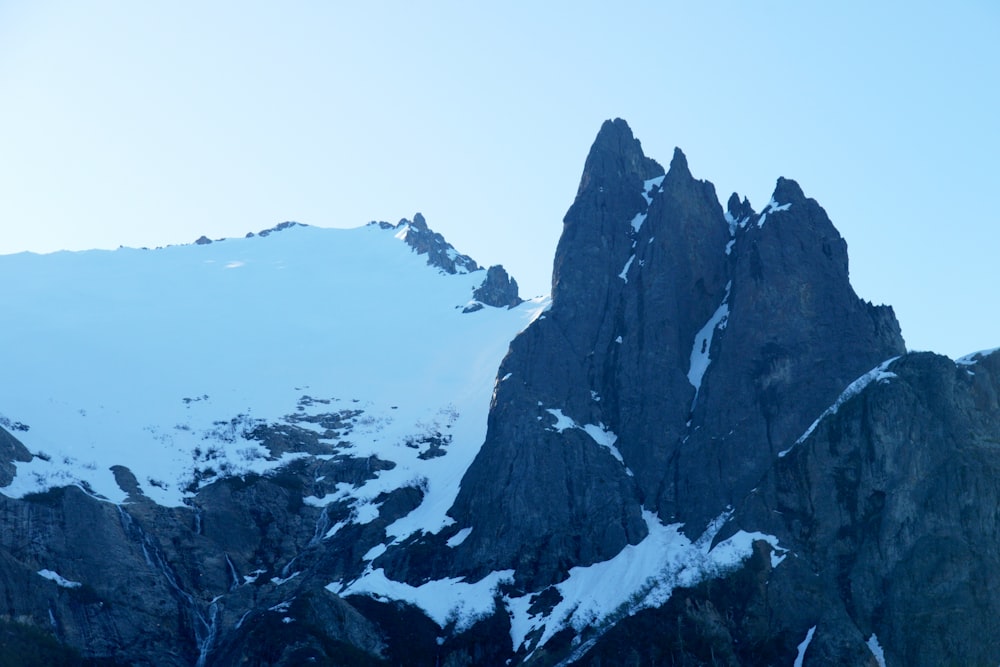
416	234
498	289
699	346
707	368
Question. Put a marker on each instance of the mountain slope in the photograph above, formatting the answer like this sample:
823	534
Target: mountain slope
240	401
357	447
161	360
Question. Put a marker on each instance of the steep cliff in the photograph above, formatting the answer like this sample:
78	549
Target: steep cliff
332	447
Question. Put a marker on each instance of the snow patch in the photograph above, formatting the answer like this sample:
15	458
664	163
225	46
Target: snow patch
975	357
647	193
445	601
637	222
562	421
876	650
649	186
458	537
624	274
640	576
597	432
606	439
278	581
59	580
374	552
264	347
803	646
702	347
878	374
772	207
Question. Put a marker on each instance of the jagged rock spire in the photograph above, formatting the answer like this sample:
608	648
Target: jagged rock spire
698	348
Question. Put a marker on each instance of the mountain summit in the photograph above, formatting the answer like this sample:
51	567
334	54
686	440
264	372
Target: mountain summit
356	447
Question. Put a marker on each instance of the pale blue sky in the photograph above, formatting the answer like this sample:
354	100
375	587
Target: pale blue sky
147	124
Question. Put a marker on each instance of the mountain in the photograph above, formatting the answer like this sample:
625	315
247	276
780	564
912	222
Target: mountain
358	447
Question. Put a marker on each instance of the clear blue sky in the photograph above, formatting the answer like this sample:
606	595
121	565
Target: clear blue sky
144	124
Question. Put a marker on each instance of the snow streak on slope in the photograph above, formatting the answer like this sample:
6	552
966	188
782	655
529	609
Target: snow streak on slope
640	576
880	373
163	360
702	347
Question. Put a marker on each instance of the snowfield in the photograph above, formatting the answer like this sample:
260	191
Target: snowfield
166	361
163	361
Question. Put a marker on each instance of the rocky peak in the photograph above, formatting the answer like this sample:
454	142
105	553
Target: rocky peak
739	212
498	289
698	349
416	234
679	166
11	450
616	156
787	191
597	230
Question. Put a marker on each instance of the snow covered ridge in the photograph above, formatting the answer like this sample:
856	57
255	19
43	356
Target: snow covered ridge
649	188
171	363
878	374
640	576
975	357
772	207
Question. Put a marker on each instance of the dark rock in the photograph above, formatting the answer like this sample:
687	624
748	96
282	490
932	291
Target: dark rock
796	334
11	450
693	364
280	227
440	253
892	502
498	289
739	211
620	349
203	240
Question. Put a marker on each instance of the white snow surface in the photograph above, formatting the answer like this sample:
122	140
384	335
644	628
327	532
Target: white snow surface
803	646
876	650
772	207
58	579
700	358
445	601
640	576
624	274
647	194
649	186
878	374
459	537
975	357
597	432
160	361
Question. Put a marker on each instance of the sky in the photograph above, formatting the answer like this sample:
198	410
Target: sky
148	124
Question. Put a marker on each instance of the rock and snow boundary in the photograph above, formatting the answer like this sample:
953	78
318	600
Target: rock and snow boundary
640	576
165	361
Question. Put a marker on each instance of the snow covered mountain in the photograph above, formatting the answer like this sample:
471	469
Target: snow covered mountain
357	447
176	362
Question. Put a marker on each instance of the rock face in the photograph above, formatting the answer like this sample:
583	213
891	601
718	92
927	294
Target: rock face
498	289
704	370
893	498
11	450
439	252
700	342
